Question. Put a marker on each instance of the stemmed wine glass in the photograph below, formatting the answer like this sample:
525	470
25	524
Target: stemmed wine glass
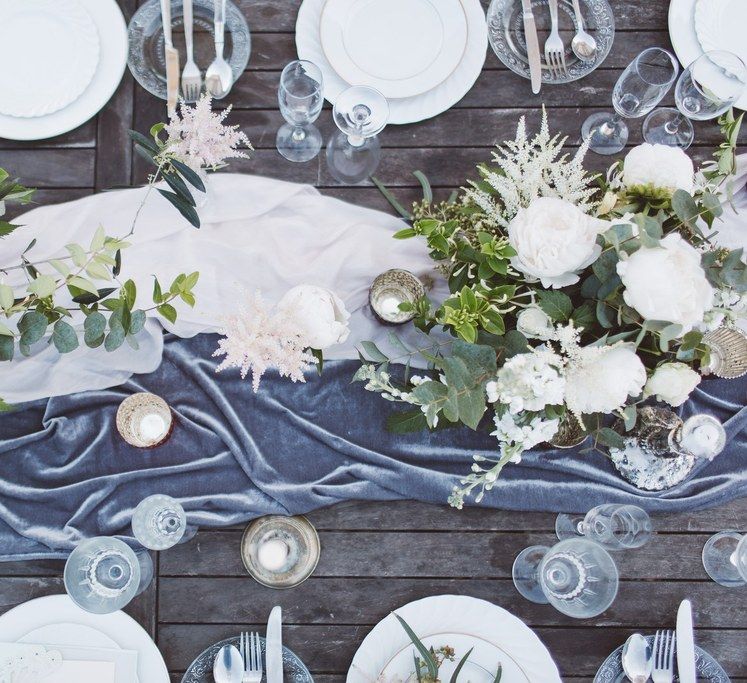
103	574
705	90
159	522
354	152
616	527
300	96
725	558
578	577
639	89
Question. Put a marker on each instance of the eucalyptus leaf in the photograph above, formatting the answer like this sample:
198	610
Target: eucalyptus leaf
6	296
94	327
64	338
137	321
116	336
373	352
32	327
406	422
43	286
7	348
557	305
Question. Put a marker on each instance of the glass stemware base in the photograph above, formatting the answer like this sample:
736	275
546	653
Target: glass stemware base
159	522
297	143
525	575
606	132
720	559
667	126
352	163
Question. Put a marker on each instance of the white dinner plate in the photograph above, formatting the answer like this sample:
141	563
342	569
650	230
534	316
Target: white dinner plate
120	628
112	59
406	109
54	46
400	47
465	622
720	25
684	37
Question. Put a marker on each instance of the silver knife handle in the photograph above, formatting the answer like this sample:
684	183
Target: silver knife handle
220	25
166	20
188	29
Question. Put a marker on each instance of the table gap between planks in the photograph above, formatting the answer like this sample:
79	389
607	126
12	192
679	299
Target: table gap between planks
378	556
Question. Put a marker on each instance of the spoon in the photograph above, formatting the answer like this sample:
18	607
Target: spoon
228	666
637	659
583	45
219	77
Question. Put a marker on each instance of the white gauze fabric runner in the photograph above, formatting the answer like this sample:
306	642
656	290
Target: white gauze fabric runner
256	234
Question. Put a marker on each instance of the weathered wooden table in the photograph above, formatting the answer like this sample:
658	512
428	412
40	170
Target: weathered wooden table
376	557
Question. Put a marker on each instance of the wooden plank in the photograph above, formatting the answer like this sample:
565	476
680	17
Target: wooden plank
82	136
64	168
368	600
45	197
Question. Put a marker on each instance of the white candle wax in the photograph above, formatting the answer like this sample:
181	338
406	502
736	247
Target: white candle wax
273	554
390	306
152	427
703	440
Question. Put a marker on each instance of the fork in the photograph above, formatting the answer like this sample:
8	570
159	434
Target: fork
554	49
252	656
663	671
191	77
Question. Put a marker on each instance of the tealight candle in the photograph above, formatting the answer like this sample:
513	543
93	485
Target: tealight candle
144	420
389	290
152	427
273	554
703	436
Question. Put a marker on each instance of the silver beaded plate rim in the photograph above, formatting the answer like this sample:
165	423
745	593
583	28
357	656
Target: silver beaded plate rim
707	668
506	35
201	669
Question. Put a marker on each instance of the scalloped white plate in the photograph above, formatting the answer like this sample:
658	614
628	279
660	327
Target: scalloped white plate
406	109
720	25
462	622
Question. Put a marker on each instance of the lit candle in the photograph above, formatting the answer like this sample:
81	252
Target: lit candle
703	436
389	306
273	554
152	427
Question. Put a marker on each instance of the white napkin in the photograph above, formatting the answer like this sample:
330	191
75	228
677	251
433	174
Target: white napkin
73	671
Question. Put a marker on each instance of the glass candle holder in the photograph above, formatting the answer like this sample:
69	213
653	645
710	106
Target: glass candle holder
728	353
389	290
144	420
159	522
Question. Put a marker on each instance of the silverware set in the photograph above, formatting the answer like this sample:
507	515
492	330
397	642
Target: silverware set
218	77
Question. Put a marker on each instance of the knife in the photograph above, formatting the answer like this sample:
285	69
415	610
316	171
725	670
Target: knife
172	59
685	643
274	646
533	49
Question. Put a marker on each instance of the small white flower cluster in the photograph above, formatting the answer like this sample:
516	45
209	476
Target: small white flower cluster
522	434
728	306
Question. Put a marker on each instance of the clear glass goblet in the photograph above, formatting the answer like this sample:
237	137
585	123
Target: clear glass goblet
639	89
578	577
103	574
725	558
159	522
705	90
301	97
354	152
615	527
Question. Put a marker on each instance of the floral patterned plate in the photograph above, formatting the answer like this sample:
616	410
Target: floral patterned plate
201	669
707	668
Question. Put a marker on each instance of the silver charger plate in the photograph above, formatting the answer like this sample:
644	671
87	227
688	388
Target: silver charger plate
707	668
145	55
506	35
201	669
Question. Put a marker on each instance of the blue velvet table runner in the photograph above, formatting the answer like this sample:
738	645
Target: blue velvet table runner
65	473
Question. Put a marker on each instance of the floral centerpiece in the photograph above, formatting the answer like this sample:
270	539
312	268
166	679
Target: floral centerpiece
574	297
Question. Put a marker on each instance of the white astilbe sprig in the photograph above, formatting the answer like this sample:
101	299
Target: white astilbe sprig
258	338
527	168
198	137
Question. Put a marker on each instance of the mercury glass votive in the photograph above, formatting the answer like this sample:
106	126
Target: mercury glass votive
728	347
144	420
279	551
389	290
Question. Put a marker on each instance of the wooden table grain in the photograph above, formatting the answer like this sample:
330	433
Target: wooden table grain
376	557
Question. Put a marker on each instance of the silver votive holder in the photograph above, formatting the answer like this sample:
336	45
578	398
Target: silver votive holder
144	420
728	347
280	551
389	290
570	433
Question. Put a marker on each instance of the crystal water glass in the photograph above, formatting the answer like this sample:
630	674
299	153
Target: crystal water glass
705	90
725	558
616	527
578	577
103	574
300	96
354	152
639	89
159	522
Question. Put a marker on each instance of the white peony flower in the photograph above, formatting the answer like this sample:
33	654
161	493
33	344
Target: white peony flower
554	240
319	313
658	167
600	378
672	383
534	323
529	381
667	283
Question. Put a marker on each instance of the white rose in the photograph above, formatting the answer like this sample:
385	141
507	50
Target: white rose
667	283
659	167
554	240
534	323
601	378
672	383
319	314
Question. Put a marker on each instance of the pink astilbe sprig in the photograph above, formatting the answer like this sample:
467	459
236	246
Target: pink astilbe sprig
199	138
257	338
